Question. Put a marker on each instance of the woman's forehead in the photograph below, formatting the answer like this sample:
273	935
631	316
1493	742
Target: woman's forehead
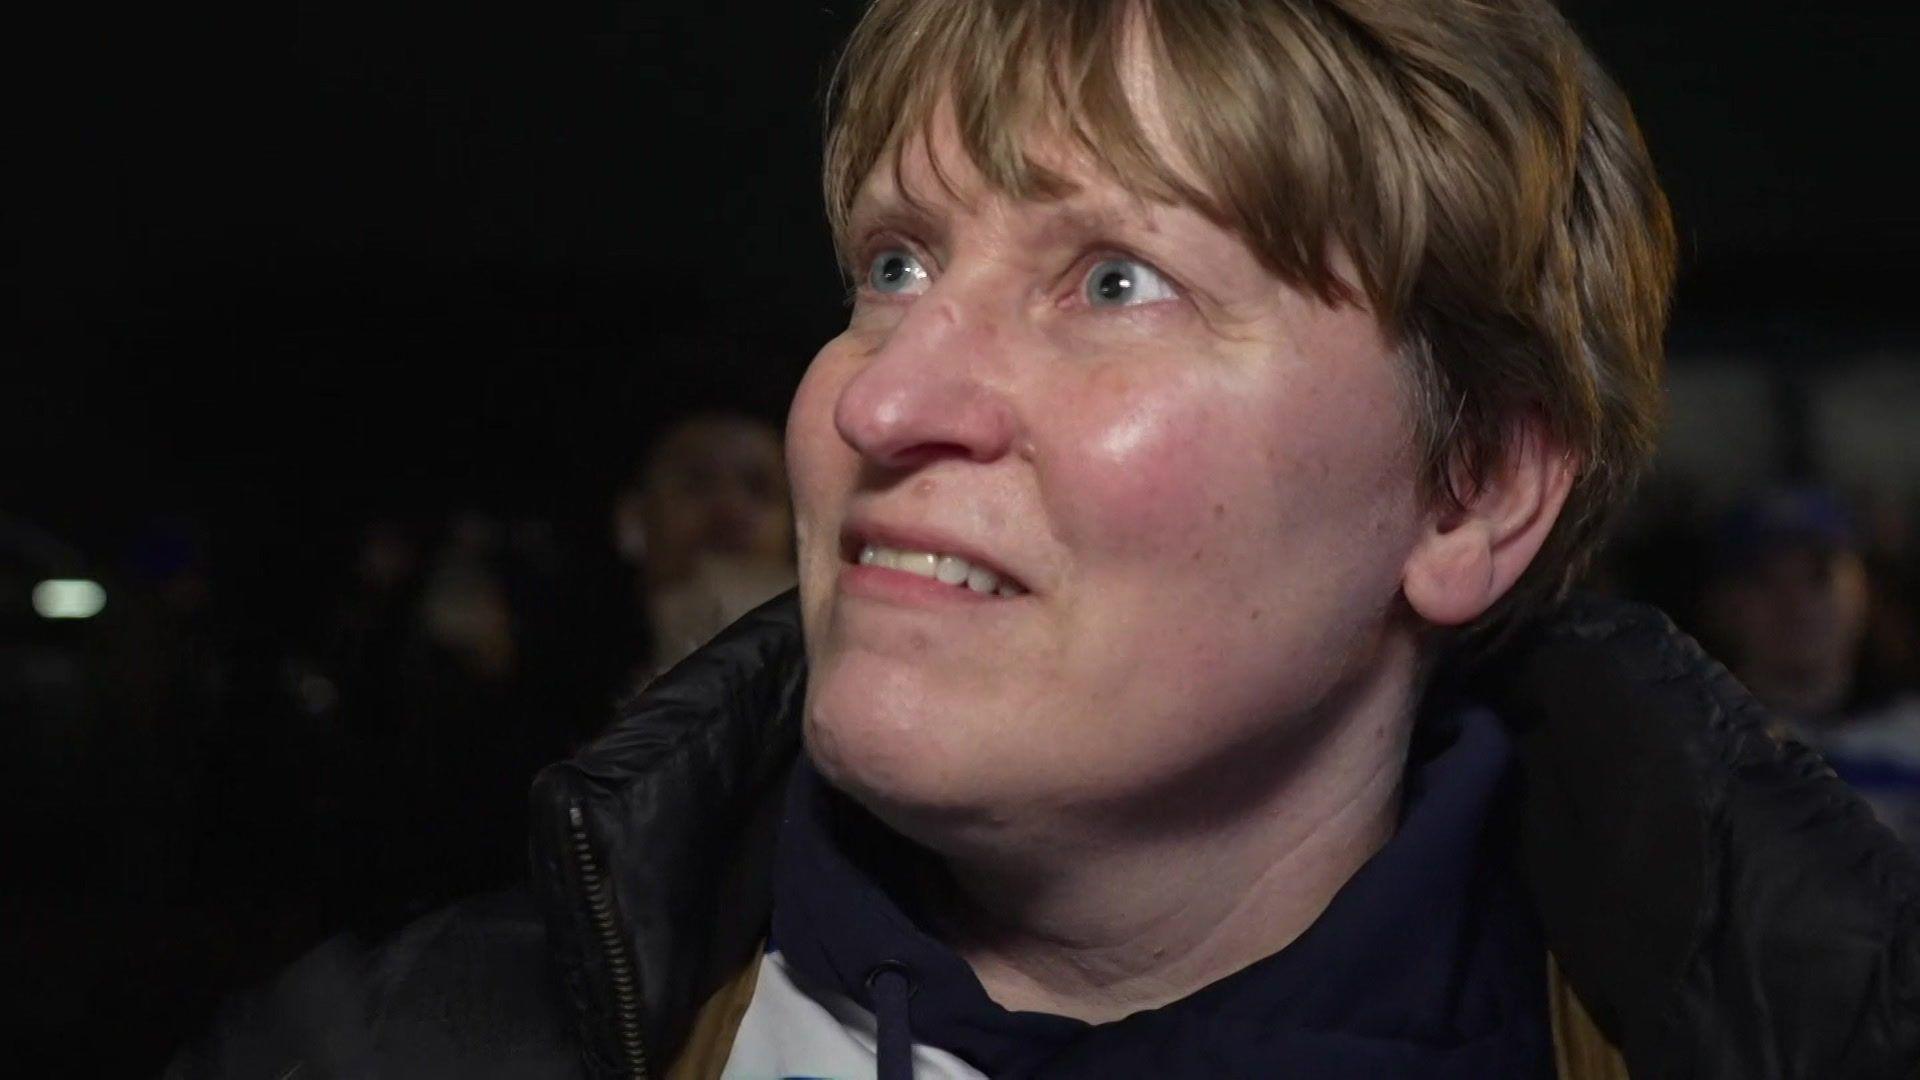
932	171
926	122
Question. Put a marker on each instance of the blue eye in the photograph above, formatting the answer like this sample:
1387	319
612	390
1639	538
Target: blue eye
1125	283
896	271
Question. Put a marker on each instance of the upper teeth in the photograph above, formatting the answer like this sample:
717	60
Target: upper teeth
950	569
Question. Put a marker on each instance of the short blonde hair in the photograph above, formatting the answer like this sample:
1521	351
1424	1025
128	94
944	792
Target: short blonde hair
1482	173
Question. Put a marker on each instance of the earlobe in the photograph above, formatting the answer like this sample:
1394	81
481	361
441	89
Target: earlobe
1450	575
1472	553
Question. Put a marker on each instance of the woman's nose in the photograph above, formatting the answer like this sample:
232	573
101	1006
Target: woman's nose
921	395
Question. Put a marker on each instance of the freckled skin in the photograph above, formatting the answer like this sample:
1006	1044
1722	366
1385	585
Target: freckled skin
1147	473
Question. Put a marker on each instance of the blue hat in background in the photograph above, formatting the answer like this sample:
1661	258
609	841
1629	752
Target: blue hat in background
1787	517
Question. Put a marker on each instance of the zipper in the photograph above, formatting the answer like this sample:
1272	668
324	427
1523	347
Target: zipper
613	949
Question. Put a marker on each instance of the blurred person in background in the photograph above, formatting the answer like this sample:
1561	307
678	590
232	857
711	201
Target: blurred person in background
464	613
475	713
1790	601
1890	658
705	527
441	662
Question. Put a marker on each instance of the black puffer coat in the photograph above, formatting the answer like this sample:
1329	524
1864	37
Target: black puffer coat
1721	905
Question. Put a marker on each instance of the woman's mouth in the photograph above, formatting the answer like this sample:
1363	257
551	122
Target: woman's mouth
938	566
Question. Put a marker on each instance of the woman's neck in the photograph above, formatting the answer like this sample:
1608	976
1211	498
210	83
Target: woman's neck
1121	926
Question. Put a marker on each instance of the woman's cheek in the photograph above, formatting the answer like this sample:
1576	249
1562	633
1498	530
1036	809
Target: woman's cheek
1147	469
1197	471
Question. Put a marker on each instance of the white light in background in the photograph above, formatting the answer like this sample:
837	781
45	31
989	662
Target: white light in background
68	598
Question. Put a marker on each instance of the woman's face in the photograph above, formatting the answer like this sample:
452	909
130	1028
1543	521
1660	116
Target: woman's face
1196	481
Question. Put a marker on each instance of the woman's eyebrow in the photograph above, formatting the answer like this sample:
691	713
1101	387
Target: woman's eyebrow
891	208
1104	218
1073	219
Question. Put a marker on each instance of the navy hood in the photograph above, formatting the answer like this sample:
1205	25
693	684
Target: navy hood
1427	962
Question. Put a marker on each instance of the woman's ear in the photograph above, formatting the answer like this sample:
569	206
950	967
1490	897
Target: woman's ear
1469	555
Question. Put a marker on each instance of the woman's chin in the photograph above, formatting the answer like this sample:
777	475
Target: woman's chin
919	776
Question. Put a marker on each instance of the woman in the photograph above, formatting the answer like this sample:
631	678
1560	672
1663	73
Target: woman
1218	376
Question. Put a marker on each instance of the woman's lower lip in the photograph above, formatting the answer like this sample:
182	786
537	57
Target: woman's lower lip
901	587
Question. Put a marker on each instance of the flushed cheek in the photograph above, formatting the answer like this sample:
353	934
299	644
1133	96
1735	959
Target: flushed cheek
1145	471
1192	478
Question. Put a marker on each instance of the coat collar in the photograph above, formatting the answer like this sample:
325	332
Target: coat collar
652	849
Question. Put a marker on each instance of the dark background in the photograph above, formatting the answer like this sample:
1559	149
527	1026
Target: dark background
283	270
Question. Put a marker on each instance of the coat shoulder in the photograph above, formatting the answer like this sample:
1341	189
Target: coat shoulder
1774	925
468	991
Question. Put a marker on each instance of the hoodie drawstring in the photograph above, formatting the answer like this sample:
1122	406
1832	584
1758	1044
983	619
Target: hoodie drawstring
892	987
